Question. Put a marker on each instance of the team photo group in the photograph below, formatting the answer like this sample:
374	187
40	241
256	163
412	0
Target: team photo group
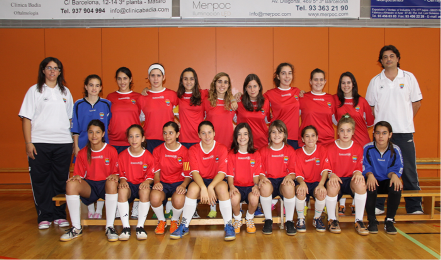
172	150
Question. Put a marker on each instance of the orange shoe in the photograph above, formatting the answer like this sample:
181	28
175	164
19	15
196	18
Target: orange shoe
160	229
251	229
237	224
173	226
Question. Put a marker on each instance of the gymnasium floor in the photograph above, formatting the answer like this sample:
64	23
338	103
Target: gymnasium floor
20	238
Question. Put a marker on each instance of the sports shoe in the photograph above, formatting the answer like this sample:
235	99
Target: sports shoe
378	211
196	215
160	228
212	214
333	226
140	233
99	215
90	214
71	233
300	225
305	211
135	211
417	212
361	228
230	234
168	215
237	224
180	232
116	214
44	225
111	234
373	226
125	234
353	210
273	207
258	212
290	229
268	227
341	210
61	222
389	227
251	228
318	224
173	226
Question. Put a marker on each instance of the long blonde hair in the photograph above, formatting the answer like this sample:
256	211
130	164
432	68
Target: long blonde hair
212	94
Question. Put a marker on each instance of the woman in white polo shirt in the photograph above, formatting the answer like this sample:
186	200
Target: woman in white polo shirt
46	113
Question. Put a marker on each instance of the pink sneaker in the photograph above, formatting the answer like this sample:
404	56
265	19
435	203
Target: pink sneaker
97	215
61	222
273	206
90	214
44	225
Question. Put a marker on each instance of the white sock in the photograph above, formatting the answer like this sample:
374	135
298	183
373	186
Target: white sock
226	211
360	203
111	204
266	206
159	211
300	206
189	209
176	213
143	211
123	208
238	218
91	208
249	216
353	202
135	207
319	206
290	206
331	202
213	207
241	205
168	207
274	202
99	207
342	201
73	203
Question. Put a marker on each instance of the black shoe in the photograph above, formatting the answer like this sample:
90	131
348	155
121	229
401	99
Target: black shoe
268	227
373	226
389	227
290	229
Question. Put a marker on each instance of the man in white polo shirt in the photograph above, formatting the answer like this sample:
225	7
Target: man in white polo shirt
395	97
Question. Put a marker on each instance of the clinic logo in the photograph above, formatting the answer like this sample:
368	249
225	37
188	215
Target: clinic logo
329	104
133	101
357	108
296	97
285	159
144	167
101	115
252	162
107	161
64	100
179	159
354	158
401	86
167	102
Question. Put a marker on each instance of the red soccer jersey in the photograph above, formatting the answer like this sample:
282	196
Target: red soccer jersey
243	167
362	114
190	117
311	166
256	120
136	169
125	112
278	163
222	121
208	164
318	110
173	164
285	106
103	163
157	107
344	162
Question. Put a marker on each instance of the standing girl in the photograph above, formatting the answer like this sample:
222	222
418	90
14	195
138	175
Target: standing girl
254	110
346	160
243	176
383	167
136	170
95	176
318	108
208	166
46	112
172	176
277	177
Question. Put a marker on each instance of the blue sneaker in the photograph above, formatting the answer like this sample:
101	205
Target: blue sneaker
258	212
318	224
181	231
301	226
230	234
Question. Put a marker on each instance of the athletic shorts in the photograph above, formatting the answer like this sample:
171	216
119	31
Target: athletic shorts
294	144
276	182
97	191
188	145
169	189
311	187
120	149
244	191
152	144
345	187
134	191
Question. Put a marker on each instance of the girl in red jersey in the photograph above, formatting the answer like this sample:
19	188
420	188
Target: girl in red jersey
346	165
95	176
208	166
277	177
157	106
243	176
218	108
317	108
136	170
172	176
254	109
311	174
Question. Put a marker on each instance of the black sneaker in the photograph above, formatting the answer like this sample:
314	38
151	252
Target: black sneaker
268	227
373	226
389	227
290	229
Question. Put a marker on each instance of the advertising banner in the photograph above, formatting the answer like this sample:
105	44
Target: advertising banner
405	9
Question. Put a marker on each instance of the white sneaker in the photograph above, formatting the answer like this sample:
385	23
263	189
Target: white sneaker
196	215
111	234
125	234
44	225
140	233
378	211
71	234
135	210
418	212
61	222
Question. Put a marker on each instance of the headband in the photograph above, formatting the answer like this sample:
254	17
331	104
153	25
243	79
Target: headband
157	66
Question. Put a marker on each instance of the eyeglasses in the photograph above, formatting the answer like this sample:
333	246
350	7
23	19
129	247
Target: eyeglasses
53	69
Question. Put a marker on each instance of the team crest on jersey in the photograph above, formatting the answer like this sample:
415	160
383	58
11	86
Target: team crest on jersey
66	100
354	158
357	108
217	159
317	161
101	115
252	162
329	104
107	161
133	101
167	102
401	85
144	167
179	159
285	159
263	111
296	97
